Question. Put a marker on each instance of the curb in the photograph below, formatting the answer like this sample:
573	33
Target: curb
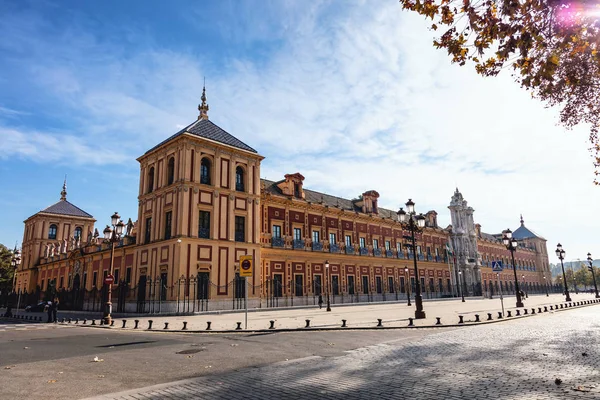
564	307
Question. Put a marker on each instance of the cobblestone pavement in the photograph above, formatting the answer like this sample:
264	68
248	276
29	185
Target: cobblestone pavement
517	359
24	326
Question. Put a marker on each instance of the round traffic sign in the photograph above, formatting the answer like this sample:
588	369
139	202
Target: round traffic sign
246	265
109	280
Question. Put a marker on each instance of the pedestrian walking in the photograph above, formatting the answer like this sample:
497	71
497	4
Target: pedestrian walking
320	302
55	309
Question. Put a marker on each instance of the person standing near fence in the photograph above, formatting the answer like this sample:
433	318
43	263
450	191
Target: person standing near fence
55	309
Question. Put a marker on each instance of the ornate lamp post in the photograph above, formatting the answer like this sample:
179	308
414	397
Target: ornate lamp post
560	253
462	292
112	236
511	245
327	283
407	285
591	269
546	285
15	262
414	223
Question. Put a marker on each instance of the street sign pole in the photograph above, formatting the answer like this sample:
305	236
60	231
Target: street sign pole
501	298
246	301
246	270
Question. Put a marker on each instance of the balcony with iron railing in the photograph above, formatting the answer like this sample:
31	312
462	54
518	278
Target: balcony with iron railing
240	237
334	248
239	187
298	244
401	255
349	249
377	252
389	253
363	251
317	246
277	242
204	233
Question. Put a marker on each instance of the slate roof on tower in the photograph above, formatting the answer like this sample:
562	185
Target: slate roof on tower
205	129
524	233
63	207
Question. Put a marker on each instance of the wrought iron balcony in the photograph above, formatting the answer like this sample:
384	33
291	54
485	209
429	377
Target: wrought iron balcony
363	251
389	253
429	257
421	257
277	242
298	244
205	179
239	187
377	252
317	246
349	249
240	237
401	254
204	233
334	248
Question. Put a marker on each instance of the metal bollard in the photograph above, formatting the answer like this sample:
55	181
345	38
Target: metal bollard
150	324
460	319
508	313
344	323
307	323
76	320
556	307
561	306
166	325
551	308
439	320
84	321
489	317
112	322
499	315
533	311
124	323
272	326
518	313
239	326
477	318
137	321
93	322
69	320
410	322
207	325
62	320
524	311
379	322
184	326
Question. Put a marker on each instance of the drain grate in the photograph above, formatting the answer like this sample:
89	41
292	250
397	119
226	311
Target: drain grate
190	351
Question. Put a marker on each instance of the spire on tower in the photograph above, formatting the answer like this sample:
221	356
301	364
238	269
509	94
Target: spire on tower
522	222
63	193
203	108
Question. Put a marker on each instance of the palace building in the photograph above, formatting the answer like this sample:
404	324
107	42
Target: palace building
202	205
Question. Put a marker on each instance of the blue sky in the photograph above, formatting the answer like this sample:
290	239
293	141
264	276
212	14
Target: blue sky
351	94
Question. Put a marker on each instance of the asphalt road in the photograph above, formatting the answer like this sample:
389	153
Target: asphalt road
56	361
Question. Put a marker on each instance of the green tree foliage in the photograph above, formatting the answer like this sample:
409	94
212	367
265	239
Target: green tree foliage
551	46
6	270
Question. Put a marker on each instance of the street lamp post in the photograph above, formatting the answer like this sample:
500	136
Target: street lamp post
407	285
112	236
546	285
560	253
15	262
462	292
327	283
591	268
414	223
511	245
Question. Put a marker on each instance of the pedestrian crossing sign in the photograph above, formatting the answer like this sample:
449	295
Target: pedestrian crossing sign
497	266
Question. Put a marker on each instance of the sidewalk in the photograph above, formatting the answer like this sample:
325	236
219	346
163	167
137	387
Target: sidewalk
394	314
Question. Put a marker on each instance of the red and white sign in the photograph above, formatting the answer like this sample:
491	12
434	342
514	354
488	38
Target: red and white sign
109	280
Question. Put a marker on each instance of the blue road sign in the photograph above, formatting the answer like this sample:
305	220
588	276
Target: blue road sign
497	266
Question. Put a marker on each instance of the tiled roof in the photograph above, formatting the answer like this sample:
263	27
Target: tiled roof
63	207
327	200
204	128
487	236
524	233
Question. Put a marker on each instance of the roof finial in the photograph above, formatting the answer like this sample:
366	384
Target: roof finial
63	193
203	108
522	222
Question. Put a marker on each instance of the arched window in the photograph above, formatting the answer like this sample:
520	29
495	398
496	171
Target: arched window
52	232
205	171
239	179
151	180
77	233
171	171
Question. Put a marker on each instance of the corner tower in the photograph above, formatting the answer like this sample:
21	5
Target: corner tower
198	207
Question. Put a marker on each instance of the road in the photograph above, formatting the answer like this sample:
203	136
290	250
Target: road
515	359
